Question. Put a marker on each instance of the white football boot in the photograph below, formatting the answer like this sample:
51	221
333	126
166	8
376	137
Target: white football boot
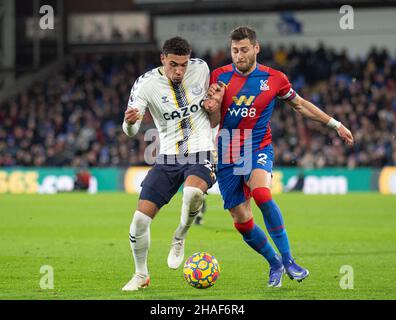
138	281
176	253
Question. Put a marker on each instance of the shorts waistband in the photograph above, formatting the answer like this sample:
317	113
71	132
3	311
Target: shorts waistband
188	158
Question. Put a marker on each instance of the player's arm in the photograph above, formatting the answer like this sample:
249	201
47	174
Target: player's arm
312	112
134	113
212	104
132	121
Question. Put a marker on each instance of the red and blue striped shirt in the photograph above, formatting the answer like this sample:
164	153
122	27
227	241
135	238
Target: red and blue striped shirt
248	104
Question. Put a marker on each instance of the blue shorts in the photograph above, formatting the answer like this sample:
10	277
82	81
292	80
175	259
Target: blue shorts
166	176
232	178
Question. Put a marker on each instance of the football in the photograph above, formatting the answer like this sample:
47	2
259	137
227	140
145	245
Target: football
201	270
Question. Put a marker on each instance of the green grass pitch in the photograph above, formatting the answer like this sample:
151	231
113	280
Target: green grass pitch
85	240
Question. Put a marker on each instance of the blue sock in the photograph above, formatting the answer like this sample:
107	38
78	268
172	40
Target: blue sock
257	240
275	227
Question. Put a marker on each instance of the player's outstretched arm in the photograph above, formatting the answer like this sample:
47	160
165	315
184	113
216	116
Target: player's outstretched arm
310	111
212	105
131	122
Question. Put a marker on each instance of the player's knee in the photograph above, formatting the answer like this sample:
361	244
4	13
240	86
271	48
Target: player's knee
140	223
244	227
261	195
193	197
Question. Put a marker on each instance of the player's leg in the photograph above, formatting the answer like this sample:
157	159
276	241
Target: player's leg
255	237
199	219
139	234
260	182
198	179
252	233
236	197
139	239
193	194
193	197
159	186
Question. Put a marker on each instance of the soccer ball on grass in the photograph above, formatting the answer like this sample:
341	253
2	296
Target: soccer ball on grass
201	270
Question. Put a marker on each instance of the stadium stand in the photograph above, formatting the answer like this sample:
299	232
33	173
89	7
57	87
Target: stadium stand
74	117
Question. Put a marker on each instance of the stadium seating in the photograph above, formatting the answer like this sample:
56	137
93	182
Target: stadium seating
74	118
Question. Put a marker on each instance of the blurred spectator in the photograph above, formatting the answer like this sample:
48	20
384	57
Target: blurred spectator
74	118
82	179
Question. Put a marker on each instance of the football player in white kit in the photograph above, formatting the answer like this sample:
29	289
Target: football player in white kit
174	94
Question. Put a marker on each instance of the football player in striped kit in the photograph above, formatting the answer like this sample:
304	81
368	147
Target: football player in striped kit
174	94
242	98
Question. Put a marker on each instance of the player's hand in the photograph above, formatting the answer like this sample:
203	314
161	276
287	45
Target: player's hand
216	91
345	135
131	116
211	105
215	94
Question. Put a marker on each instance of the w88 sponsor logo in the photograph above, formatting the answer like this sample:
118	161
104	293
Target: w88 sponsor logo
244	112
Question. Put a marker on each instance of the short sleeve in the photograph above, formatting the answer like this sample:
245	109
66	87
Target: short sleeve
207	77
137	97
285	91
214	76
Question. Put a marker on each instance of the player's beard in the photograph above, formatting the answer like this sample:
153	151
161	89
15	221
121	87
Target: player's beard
245	67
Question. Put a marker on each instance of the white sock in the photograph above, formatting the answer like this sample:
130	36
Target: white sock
192	204
139	238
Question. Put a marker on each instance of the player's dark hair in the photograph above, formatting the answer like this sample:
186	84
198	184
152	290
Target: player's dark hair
177	46
241	33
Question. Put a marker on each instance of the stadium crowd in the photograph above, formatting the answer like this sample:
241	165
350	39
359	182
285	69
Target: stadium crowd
74	118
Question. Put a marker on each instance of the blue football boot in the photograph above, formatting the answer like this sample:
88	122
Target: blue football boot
275	277
296	272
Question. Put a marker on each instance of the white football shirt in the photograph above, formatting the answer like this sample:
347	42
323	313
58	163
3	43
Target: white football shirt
182	123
